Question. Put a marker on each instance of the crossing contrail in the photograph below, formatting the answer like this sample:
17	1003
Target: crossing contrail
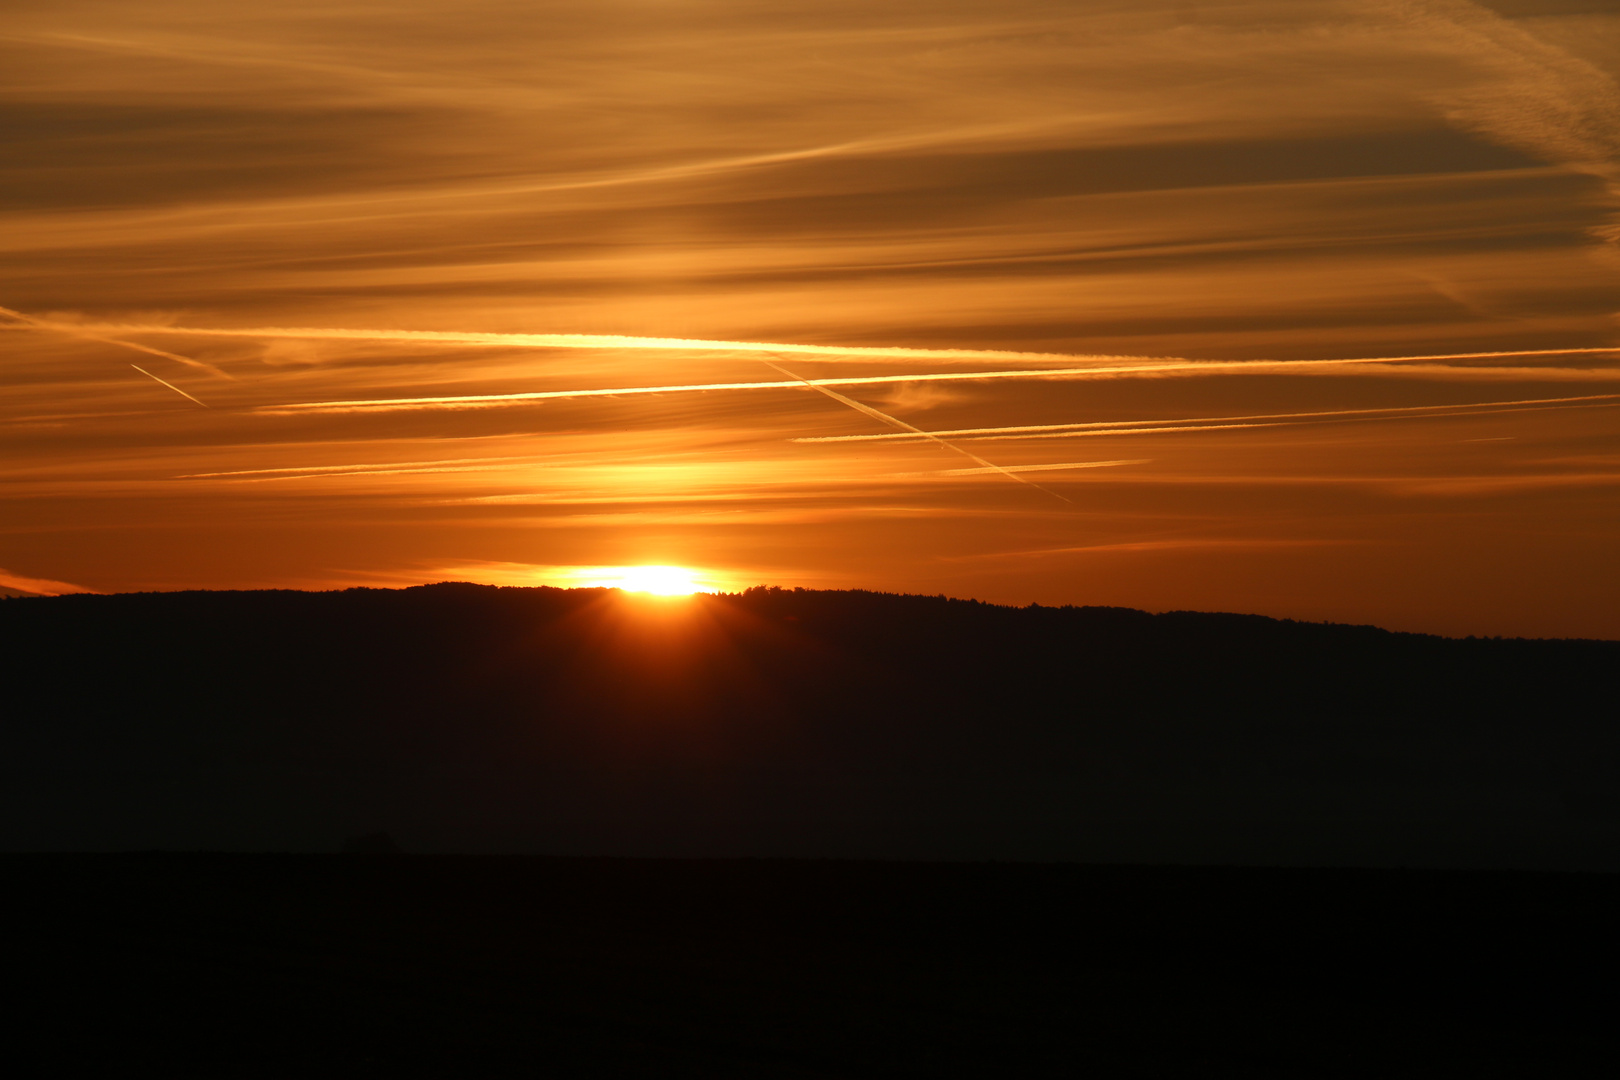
170	385
1215	423
91	334
317	470
985	466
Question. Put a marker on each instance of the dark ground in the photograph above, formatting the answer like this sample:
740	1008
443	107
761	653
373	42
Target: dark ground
486	725
790	723
362	965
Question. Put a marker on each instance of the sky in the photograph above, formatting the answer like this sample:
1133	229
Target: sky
1300	308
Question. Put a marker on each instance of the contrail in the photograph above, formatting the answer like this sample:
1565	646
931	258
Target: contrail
480	400
1097	365
990	433
1208	423
619	341
1049	468
987	466
1146	368
89	334
170	385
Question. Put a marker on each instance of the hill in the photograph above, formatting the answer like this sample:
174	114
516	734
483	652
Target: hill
464	718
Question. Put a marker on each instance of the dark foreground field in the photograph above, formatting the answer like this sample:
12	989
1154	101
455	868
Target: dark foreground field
294	965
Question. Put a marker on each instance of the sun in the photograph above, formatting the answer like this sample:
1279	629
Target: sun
656	580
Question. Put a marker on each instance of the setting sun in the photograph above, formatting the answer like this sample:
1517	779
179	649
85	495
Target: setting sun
657	580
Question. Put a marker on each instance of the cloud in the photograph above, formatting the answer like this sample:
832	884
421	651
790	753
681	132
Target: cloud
1531	93
1185	543
37	586
89	334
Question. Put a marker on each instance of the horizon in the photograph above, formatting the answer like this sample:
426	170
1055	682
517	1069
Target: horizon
749	591
1305	310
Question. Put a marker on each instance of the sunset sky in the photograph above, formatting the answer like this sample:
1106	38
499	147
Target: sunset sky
1292	307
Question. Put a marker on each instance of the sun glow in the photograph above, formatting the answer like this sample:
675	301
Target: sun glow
656	580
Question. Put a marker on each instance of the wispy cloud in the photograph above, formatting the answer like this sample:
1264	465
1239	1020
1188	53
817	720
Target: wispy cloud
1157	544
293	472
91	334
38	586
1533	94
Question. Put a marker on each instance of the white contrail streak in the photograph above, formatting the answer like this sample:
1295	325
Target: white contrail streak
170	385
987	466
1053	434
1047	468
616	341
1094	366
91	334
1214	423
466	401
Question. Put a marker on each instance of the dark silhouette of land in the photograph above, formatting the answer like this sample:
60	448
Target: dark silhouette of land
465	718
403	733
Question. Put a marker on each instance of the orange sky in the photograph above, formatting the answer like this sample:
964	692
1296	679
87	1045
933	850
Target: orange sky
1145	221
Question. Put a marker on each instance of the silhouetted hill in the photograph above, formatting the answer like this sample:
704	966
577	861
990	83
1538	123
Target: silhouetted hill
470	718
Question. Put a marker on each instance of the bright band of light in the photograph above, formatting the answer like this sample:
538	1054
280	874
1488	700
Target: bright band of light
654	580
617	341
1150	368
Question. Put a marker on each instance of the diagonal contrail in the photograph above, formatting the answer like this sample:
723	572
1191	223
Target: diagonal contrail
170	385
1214	423
903	426
90	335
